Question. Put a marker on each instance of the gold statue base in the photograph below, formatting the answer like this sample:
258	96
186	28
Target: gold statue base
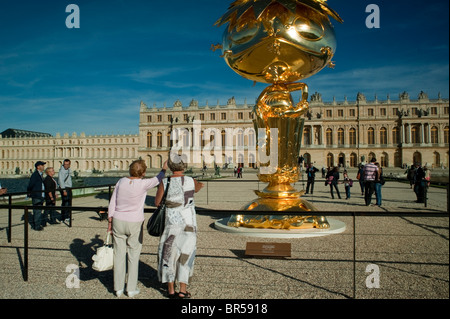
293	205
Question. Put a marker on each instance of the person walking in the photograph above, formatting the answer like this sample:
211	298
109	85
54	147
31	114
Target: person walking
333	180
178	243
410	173
125	221
36	190
370	176
239	172
65	184
50	196
419	183
427	173
347	183
360	178
379	184
311	174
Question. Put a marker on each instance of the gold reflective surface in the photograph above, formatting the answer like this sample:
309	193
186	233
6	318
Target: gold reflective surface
278	222
264	35
279	42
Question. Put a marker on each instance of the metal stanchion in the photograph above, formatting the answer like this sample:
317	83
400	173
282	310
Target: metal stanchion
207	192
25	244
354	256
9	218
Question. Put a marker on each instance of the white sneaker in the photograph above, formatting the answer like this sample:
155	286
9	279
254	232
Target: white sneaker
119	293
133	293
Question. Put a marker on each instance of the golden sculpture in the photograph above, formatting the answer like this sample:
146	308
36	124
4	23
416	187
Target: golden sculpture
279	42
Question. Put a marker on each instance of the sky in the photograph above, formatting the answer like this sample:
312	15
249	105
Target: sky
91	79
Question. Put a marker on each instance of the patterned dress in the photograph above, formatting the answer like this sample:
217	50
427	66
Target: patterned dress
178	243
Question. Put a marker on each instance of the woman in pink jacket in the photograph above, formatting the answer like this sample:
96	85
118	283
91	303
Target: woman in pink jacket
125	221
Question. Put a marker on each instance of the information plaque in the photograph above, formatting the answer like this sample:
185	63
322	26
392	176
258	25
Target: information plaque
268	249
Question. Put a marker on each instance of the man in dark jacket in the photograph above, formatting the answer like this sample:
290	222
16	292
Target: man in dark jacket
65	183
311	174
35	190
419	183
50	196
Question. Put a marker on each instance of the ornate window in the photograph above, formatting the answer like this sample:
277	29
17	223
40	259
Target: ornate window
240	139
415	134
384	162
330	160
434	135
340	137
251	138
352	136
223	138
396	135
202	139
436	159
149	140
329	136
353	160
383	135
159	139
371	136
307	136
169	141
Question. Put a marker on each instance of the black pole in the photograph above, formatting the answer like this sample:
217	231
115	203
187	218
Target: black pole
25	253
9	218
354	257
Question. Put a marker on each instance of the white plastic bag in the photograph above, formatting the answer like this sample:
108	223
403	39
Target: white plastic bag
104	258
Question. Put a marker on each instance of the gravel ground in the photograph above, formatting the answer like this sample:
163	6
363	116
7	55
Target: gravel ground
410	254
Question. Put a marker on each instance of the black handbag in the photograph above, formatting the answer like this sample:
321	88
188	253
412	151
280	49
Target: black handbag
156	223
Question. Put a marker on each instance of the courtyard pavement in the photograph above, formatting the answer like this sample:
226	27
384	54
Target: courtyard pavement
397	257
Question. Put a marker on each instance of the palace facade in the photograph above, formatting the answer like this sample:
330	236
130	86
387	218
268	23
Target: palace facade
397	132
87	153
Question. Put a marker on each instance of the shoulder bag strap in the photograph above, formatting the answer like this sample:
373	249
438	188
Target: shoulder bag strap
67	176
165	192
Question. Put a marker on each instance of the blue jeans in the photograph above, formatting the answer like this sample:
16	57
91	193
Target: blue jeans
347	191
378	193
37	219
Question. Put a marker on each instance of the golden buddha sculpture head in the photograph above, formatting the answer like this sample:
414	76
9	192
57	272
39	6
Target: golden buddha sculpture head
274	41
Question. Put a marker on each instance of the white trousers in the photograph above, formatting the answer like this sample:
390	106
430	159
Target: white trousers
127	240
